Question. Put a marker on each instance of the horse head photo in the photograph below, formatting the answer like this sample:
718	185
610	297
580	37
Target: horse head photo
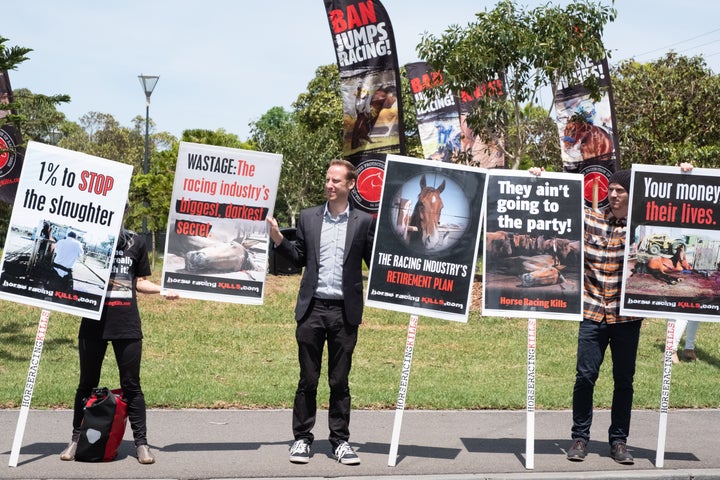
423	226
209	255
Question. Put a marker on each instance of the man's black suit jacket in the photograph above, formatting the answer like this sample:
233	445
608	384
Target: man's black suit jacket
305	252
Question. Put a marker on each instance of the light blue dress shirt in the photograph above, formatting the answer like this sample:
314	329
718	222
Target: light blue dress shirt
332	253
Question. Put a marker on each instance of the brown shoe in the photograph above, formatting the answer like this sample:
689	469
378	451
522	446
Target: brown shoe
689	355
578	451
144	455
68	455
620	454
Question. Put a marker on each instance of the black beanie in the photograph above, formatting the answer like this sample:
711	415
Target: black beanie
621	177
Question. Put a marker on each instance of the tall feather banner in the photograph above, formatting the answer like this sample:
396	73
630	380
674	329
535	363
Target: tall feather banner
438	117
11	153
370	87
587	129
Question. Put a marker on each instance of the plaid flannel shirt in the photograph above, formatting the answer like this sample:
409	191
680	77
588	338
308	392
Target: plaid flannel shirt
604	253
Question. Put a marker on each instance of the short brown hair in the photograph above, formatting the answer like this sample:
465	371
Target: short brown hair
351	170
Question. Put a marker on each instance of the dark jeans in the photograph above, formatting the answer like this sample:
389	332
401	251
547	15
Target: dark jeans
324	322
128	354
593	339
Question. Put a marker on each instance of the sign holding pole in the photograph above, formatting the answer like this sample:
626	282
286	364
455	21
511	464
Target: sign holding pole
402	392
533	259
29	387
665	394
530	397
424	264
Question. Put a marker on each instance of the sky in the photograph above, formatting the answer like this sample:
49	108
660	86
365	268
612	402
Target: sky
224	63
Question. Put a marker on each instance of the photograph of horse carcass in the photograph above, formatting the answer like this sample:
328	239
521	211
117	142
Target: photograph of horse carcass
233	249
532	262
370	106
673	262
30	257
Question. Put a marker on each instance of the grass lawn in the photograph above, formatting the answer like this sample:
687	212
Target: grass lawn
218	355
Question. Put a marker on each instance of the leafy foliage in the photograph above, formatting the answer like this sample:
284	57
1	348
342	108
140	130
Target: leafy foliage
526	50
667	111
307	138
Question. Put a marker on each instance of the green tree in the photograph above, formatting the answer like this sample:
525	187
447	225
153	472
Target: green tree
99	134
38	116
308	137
527	50
413	145
218	137
32	114
667	111
306	154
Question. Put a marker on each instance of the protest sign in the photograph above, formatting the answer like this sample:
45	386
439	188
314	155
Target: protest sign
532	263
672	260
63	230
427	238
217	243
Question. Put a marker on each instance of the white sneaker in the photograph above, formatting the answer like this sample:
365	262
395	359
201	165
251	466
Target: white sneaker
345	454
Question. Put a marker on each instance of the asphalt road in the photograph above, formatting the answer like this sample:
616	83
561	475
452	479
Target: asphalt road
442	445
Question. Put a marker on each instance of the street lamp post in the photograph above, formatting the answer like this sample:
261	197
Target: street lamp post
148	83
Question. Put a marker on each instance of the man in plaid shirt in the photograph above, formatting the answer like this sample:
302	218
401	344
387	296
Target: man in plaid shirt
602	325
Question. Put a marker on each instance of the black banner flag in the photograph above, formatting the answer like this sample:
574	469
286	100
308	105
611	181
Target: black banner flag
11	152
438	116
370	87
587	129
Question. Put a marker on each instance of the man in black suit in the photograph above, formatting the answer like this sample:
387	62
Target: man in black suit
331	242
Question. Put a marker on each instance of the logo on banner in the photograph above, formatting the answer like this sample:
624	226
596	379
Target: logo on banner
368	189
596	174
7	153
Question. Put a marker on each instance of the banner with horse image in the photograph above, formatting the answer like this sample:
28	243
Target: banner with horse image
63	230
672	260
216	246
370	88
533	249
438	117
587	129
427	238
11	151
479	152
442	119
369	76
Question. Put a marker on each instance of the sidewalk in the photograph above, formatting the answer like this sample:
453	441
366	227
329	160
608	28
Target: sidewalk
440	445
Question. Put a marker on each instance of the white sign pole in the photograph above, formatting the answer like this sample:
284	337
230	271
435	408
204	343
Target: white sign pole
29	387
530	398
404	380
665	393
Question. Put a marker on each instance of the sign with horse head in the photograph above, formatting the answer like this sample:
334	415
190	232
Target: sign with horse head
427	238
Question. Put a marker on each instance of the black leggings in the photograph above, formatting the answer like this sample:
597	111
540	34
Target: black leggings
128	354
